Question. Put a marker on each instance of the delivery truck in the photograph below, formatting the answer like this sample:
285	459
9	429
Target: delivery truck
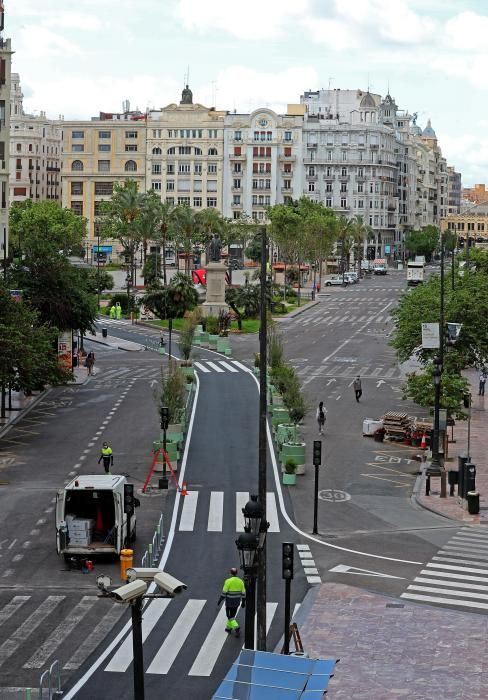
95	514
415	272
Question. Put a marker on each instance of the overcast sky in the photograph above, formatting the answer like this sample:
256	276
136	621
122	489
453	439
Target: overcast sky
79	58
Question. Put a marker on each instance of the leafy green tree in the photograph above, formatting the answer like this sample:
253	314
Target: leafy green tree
345	240
423	242
165	232
187	232
253	250
152	270
98	280
44	229
28	356
421	389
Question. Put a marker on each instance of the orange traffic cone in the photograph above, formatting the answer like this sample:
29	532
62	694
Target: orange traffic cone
423	443
99	522
184	491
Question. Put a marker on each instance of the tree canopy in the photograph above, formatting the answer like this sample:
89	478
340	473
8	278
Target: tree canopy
423	242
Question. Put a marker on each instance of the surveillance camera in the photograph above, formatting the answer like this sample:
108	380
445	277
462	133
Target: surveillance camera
169	584
141	574
130	591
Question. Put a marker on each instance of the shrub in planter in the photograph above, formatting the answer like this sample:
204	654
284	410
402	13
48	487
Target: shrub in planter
275	350
172	393
289	475
211	324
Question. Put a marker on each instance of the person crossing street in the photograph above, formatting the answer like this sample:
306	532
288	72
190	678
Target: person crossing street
358	390
234	594
108	457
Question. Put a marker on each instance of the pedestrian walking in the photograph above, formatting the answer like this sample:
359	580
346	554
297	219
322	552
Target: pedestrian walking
113	311
118	311
320	415
89	363
234	594
108	457
358	388
482	383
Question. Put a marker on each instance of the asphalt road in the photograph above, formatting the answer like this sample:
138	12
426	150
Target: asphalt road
370	534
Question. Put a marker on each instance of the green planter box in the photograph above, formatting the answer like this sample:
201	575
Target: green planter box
285	432
279	415
204	339
188	371
199	328
213	340
289	479
222	345
296	452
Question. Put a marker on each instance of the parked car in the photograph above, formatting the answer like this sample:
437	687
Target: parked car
338	281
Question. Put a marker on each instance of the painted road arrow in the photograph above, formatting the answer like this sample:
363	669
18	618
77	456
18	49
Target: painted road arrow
380	382
331	381
343	569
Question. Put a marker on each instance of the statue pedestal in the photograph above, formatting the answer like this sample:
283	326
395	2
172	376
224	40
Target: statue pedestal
215	301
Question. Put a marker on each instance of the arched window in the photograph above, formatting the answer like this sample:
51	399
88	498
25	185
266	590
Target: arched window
212	152
198	151
171	151
130	166
157	151
77	165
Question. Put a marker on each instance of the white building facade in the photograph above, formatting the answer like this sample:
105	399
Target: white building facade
5	77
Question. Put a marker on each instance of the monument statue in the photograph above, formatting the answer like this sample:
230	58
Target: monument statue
186	96
215	248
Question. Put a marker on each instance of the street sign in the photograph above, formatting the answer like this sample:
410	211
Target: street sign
430	335
102	248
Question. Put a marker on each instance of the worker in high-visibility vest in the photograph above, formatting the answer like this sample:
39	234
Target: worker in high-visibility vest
234	594
108	457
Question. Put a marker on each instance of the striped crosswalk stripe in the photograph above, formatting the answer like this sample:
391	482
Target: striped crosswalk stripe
201	367
214	366
216	512
457	575
188	512
177	636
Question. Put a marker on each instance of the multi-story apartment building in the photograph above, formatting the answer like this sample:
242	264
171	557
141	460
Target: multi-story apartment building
96	155
453	191
471	224
5	77
35	152
185	153
262	161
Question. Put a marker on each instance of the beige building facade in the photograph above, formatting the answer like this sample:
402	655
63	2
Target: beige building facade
35	152
5	78
96	155
184	154
471	224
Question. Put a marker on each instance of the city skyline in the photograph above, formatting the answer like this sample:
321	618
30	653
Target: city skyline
429	55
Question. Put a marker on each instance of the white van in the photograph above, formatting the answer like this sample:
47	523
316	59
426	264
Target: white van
95	514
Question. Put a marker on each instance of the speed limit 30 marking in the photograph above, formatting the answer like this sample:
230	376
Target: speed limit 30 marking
334	496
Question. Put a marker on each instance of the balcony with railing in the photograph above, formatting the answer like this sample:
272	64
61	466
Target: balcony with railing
287	190
287	159
237	156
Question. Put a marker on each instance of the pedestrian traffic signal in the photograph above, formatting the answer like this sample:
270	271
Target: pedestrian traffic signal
164	417
287	560
317	453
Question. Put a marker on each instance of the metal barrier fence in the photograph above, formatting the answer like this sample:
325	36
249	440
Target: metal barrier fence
153	552
52	691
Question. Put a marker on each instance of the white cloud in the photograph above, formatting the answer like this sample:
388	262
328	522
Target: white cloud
38	42
466	31
332	33
74	20
245	89
255	20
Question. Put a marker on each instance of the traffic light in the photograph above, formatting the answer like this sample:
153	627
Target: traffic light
287	561
317	453
129	501
164	417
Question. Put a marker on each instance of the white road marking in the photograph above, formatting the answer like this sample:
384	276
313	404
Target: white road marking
97	635
57	636
24	631
345	569
444	601
272	512
310	570
214	366
444	574
211	647
176	637
12	607
122	659
188	512
439	582
242	498
459	558
314	579
449	591
457	568
227	366
201	367
216	511
240	366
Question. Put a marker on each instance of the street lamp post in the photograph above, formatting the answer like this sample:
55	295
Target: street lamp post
262	446
128	283
435	465
164	426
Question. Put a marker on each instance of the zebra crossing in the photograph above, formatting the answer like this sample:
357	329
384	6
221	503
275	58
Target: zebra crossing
457	575
335	316
347	370
121	373
214	643
212	508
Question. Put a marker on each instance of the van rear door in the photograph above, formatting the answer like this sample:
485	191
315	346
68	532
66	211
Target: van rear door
60	500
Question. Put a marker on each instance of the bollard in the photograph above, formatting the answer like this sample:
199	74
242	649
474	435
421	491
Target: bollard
104	332
126	562
28	694
427	485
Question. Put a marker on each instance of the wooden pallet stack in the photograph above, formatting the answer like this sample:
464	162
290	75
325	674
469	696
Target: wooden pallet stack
396	424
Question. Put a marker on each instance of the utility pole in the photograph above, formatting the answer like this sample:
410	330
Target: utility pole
262	444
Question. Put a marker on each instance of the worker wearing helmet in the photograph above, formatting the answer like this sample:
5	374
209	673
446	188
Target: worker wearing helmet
234	594
108	457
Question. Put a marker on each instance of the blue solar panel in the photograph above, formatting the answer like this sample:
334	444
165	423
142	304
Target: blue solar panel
260	675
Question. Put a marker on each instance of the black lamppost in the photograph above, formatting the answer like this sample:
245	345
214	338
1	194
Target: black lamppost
435	468
128	281
163	482
250	545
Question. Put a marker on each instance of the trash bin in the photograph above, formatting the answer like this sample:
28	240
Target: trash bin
104	332
473	502
469	477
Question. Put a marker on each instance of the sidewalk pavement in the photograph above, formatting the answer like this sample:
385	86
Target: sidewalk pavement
451	506
20	404
391	649
113	342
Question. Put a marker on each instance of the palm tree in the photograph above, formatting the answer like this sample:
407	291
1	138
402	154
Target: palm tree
186	228
165	231
361	233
